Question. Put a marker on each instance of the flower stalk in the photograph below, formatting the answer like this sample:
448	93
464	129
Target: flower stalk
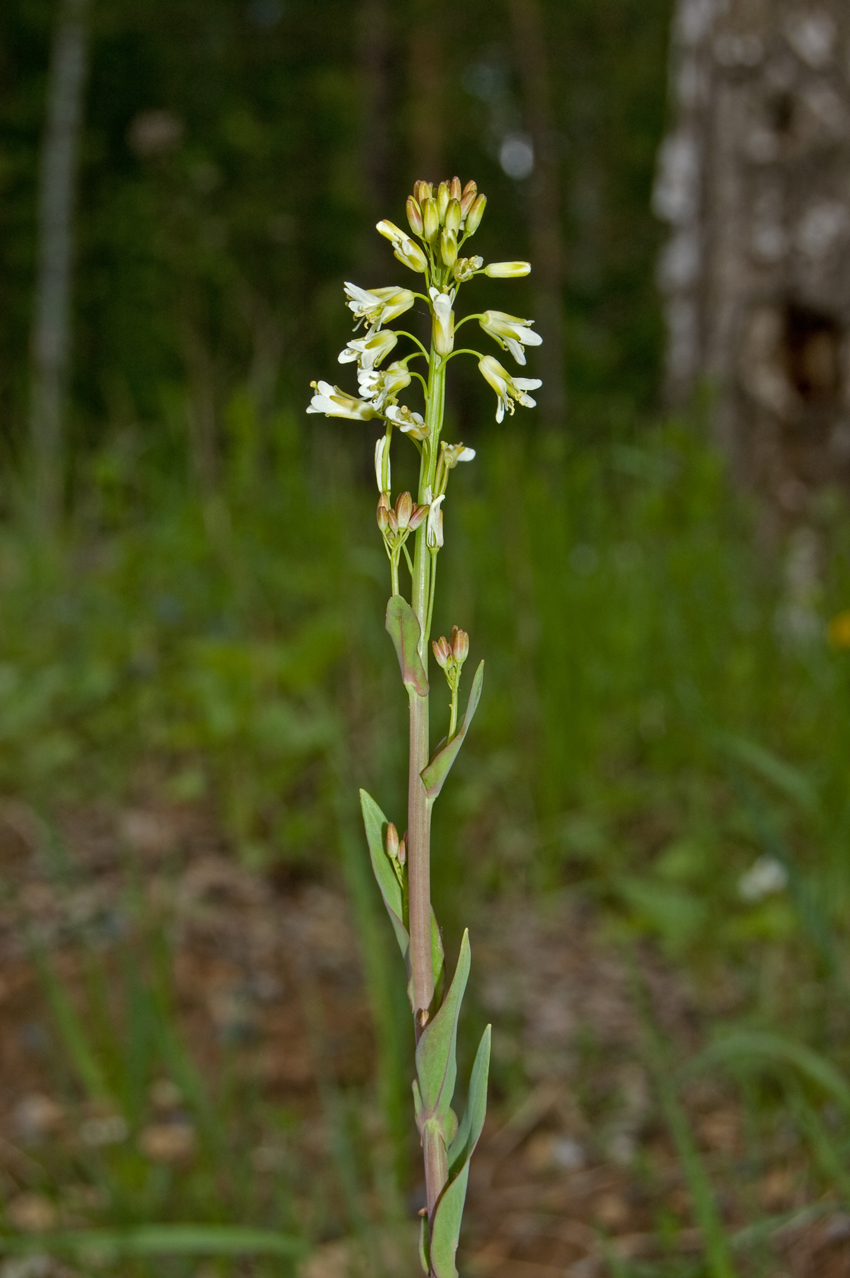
440	219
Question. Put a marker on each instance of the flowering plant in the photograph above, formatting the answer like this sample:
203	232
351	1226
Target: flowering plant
441	220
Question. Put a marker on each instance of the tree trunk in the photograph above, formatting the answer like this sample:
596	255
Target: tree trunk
754	180
544	206
52	320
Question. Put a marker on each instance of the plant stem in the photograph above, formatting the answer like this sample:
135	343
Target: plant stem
418	806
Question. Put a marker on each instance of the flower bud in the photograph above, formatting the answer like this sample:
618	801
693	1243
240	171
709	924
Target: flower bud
393	520
411	255
448	246
390	231
469	191
423	191
453	216
442	652
454	189
443	198
430	219
475	214
419	513
382	463
460	645
392	842
507	270
402	850
414	215
403	510
384	512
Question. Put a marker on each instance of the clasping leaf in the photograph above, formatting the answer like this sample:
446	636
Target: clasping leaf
403	628
438	769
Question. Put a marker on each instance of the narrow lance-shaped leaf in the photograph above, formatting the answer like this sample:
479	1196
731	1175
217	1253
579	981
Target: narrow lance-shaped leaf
376	823
436	1066
403	628
462	1147
438	769
445	1232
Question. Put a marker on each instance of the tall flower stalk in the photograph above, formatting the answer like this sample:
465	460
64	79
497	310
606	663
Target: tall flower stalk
441	219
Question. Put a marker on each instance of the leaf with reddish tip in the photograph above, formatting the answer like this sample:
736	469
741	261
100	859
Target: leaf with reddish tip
403	628
438	769
376	824
436	1066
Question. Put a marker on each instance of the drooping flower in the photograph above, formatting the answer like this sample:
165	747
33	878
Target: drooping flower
333	402
381	386
434	527
369	350
511	332
383	473
444	321
507	388
451	454
465	268
378	306
403	247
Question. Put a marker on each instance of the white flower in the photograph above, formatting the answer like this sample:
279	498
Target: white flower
765	877
444	320
506	270
507	388
333	402
382	386
382	464
408	422
465	268
511	332
378	305
454	453
434	527
369	350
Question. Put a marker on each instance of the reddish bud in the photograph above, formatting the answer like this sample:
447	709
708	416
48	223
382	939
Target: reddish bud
442	652
419	513
414	215
392	842
402	850
383	512
392	518
467	202
403	510
471	189
460	645
454	188
476	213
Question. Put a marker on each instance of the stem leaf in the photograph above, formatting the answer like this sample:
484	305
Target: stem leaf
445	1231
424	1246
403	628
434	775
463	1145
436	1066
376	824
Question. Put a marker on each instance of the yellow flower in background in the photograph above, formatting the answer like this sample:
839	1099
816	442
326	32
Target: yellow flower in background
838	630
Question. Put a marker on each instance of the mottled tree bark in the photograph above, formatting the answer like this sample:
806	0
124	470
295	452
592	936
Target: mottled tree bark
547	252
51	337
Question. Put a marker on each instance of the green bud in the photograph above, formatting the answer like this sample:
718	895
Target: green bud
476	212
430	219
392	841
448	246
454	188
468	198
443	198
506	270
453	216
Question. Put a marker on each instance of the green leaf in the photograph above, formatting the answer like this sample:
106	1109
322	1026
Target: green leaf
424	1246
445	1233
436	1066
159	1240
376	823
462	1147
403	628
438	769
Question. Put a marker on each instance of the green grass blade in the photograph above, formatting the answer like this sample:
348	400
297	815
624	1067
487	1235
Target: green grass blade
159	1240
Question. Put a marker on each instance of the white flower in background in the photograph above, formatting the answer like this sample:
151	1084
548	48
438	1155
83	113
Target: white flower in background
369	350
378	306
333	402
444	320
383	473
507	388
434	527
408	422
381	386
451	454
765	877
511	332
